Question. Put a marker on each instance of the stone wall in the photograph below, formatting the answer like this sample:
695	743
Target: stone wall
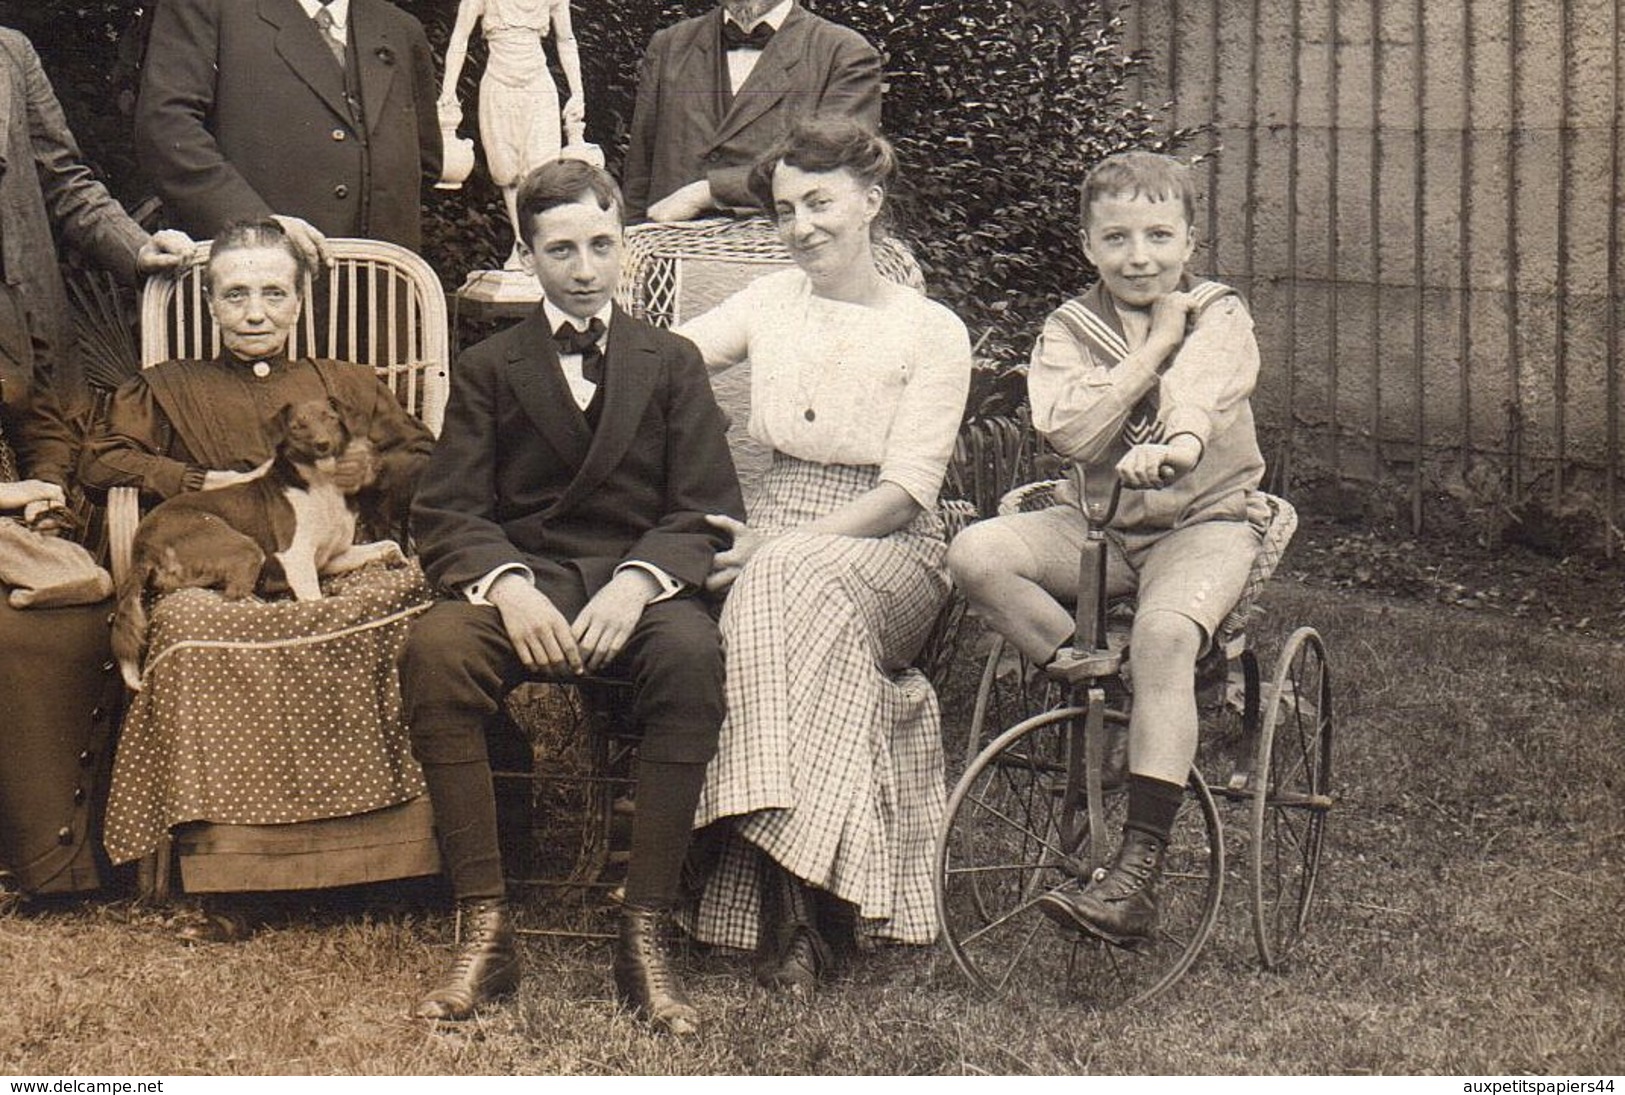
1421	201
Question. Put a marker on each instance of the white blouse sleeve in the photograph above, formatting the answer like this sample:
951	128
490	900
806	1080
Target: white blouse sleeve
723	333
926	424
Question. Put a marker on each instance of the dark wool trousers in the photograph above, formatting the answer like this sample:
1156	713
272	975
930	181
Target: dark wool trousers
459	666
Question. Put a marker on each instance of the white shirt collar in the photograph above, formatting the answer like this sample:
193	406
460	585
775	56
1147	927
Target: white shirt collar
338	9
774	18
556	316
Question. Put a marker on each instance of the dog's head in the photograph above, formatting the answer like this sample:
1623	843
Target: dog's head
311	431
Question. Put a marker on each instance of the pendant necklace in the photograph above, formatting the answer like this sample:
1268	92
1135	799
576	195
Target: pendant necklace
807	394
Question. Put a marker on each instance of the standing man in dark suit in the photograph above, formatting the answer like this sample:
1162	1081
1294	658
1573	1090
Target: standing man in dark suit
717	91
46	191
50	662
323	111
565	508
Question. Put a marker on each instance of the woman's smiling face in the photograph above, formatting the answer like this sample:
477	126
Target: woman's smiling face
824	217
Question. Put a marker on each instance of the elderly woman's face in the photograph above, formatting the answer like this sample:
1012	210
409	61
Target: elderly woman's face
824	217
254	297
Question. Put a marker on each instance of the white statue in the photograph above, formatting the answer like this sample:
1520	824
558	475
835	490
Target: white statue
519	104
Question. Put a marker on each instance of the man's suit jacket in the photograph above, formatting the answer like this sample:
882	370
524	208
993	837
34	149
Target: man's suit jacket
44	185
242	112
518	476
683	132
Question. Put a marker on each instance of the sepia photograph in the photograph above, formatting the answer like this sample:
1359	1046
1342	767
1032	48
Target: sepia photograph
734	538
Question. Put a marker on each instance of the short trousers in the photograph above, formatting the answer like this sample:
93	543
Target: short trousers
1197	570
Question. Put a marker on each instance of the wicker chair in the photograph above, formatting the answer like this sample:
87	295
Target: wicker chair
673	272
380	305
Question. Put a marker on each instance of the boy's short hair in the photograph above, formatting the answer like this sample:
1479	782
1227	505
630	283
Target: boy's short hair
565	182
252	234
1139	175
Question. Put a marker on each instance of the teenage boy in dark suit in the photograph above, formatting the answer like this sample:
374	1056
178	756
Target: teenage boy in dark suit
565	506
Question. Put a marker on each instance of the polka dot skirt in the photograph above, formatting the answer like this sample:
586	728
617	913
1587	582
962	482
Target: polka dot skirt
268	713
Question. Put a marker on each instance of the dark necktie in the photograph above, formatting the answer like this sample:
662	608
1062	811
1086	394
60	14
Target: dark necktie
571	339
324	23
735	37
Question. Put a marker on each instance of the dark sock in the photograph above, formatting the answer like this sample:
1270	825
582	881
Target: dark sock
465	819
1153	804
661	828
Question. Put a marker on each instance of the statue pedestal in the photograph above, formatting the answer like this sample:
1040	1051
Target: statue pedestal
498	294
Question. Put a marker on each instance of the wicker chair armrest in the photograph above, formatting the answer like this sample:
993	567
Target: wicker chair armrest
1283	523
123	515
1030	497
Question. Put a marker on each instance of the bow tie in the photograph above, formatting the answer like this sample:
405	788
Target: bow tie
735	37
571	339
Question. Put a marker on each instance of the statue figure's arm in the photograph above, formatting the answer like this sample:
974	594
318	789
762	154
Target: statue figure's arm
564	40
468	13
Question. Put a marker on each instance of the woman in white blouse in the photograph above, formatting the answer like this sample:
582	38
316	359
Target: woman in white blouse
828	782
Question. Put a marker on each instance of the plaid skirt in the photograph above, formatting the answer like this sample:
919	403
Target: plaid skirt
267	713
830	759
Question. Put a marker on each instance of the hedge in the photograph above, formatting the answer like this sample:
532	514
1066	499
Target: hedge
997	108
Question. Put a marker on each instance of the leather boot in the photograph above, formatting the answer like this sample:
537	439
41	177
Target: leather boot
1120	906
487	964
644	978
791	954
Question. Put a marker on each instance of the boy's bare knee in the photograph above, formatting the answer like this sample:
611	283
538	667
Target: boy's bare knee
1165	640
981	555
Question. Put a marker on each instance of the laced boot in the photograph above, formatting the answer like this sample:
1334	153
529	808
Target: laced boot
487	964
645	979
1121	905
791	955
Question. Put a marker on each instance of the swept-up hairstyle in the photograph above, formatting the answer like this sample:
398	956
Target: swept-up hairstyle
828	143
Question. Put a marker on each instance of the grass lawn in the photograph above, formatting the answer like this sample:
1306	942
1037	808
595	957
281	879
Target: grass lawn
1471	920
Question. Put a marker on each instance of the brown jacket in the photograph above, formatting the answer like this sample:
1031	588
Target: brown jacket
44	185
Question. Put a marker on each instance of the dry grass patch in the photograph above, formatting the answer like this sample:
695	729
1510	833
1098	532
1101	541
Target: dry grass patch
1470	922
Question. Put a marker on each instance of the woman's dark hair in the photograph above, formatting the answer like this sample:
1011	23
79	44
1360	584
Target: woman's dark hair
250	234
827	144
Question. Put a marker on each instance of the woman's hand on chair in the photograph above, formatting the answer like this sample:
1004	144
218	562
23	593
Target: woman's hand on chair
725	567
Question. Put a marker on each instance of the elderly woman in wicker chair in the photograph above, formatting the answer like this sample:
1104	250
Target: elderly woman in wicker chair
264	714
827	789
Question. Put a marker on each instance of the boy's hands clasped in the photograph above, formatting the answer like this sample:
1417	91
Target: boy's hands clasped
545	640
1151	466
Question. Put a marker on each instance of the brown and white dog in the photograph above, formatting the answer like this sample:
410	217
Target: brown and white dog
279	532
